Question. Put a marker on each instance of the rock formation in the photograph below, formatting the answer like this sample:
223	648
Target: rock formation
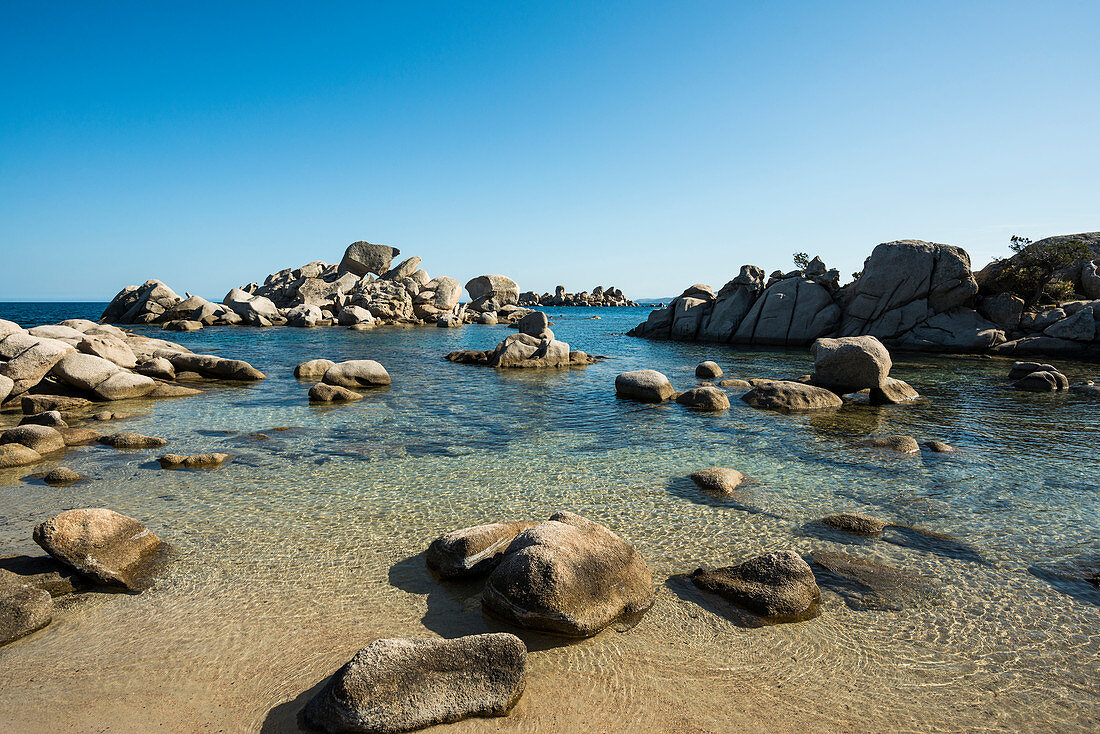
599	297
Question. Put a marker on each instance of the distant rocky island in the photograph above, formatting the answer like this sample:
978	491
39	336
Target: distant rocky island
363	290
911	294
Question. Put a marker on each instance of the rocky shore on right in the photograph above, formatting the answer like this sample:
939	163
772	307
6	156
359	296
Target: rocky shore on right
912	295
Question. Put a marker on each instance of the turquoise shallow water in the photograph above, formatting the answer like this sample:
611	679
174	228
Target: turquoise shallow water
305	547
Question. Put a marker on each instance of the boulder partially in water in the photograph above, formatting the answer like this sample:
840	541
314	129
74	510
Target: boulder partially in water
398	685
705	399
43	439
717	479
791	396
1042	381
647	386
708	370
16	454
112	549
892	392
779	586
473	551
324	393
313	369
851	363
61	476
357	373
855	522
132	441
569	576
901	444
23	610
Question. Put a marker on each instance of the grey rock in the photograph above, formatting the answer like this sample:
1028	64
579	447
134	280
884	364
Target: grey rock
1023	369
501	288
901	444
793	312
357	373
704	398
474	551
322	393
648	386
708	370
43	439
957	329
1079	327
892	392
361	258
314	369
1042	382
778	585
1003	309
717	479
732	304
791	396
402	270
132	441
61	476
194	461
849	364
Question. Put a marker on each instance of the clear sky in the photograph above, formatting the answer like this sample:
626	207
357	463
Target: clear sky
641	144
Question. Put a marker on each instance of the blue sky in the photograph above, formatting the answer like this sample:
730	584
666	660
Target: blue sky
646	145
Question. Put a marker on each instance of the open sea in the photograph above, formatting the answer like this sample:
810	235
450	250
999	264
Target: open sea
308	545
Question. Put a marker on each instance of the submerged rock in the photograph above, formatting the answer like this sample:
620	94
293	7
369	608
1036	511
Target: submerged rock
323	393
473	551
704	398
892	392
23	610
648	386
195	461
865	584
16	454
132	441
791	396
398	685
779	586
718	479
112	549
854	522
79	436
901	444
61	476
939	447
570	576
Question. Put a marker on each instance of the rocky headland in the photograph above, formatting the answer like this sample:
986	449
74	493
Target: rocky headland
912	295
600	297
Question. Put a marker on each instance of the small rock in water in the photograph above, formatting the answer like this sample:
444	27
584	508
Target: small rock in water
167	390
133	441
779	586
708	370
195	461
939	447
314	369
61	476
23	610
718	479
734	383
357	373
16	454
704	398
901	444
112	549
79	436
1042	381
647	386
892	392
50	418
854	522
1023	369
790	396
323	393
398	685
472	551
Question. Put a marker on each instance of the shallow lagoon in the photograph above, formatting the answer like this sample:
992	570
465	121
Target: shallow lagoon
306	546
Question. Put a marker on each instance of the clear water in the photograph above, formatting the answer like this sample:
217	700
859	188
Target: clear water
306	546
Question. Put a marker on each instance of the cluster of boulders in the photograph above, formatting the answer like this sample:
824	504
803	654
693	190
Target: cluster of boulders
534	347
600	297
911	294
338	378
363	290
89	548
1040	377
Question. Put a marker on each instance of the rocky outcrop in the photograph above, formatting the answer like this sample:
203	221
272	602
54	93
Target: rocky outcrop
600	297
397	685
570	576
523	351
779	586
112	549
793	312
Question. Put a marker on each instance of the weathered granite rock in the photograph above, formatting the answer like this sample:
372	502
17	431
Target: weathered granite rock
254	310
849	364
1042	382
23	610
1079	327
708	370
81	436
570	576
778	585
351	315
498	288
535	324
901	444
361	258
182	325
648	386
957	329
1023	369
132	441
473	551
210	365
402	270
528	352
717	479
357	373
1090	279
313	369
6	386
732	304
704	398
195	461
84	371
398	685
892	392
16	454
34	404
688	314
61	476
939	447
30	358
324	393
110	348
304	316
854	522
113	549
791	396
42	572
43	439
125	385
902	284
48	418
1003	309
142	304
737	383
168	390
793	312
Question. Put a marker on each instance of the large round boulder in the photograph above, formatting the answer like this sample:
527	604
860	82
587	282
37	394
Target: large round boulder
112	549
472	551
362	257
357	373
570	576
791	396
398	685
706	398
708	370
778	585
648	386
850	363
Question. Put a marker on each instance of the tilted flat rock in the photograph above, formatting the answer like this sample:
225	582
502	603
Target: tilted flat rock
357	373
892	392
473	551
79	436
398	685
34	404
778	585
113	549
132	441
648	386
361	258
791	396
213	366
570	576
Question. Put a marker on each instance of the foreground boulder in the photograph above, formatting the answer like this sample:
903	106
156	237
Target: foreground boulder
704	398
61	476
112	549
791	396
357	373
850	364
717	479
648	386
778	586
23	610
398	685
892	392
474	551
708	370
570	576
43	439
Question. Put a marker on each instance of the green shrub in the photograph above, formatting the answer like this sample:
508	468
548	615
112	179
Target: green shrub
1028	273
